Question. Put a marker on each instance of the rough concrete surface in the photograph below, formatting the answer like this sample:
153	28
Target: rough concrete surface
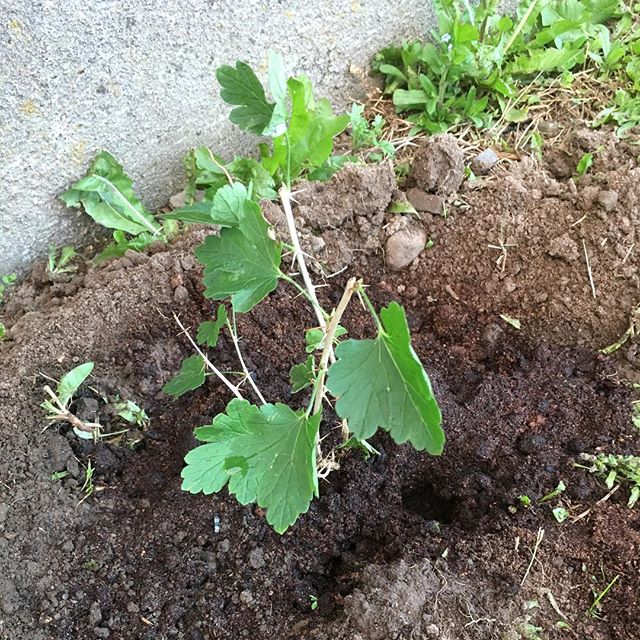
137	78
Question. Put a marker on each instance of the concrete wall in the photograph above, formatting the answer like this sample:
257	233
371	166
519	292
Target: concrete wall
137	78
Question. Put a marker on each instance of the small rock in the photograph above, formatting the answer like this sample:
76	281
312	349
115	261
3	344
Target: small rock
4	509
101	632
178	200
132	607
564	247
425	202
180	294
404	247
608	200
95	614
432	631
484	162
256	558
246	597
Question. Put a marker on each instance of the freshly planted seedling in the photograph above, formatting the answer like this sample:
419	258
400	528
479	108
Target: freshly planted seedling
269	453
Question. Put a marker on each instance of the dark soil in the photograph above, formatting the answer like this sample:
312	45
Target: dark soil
401	545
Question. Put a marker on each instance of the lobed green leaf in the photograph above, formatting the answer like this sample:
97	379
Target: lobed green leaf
382	383
265	455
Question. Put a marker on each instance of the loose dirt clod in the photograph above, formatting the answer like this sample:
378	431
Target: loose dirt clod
438	165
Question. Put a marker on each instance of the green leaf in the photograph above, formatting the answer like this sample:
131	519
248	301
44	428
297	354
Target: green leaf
514	322
195	213
330	167
3	331
230	204
402	207
265	455
278	87
209	331
71	381
314	338
302	375
381	383
242	263
251	172
191	376
555	493
584	164
241	87
309	140
410	99
106	194
560	514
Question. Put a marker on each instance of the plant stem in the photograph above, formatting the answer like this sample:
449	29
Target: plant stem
285	198
236	344
232	387
304	293
520	26
370	308
350	289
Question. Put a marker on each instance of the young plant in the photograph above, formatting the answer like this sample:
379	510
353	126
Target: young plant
269	453
5	282
62	263
106	194
367	135
57	406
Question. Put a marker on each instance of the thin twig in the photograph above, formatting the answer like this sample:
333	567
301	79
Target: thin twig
249	377
586	257
232	387
285	198
533	555
584	514
336	316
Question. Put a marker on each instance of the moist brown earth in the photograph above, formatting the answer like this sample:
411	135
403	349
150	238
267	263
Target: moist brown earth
401	545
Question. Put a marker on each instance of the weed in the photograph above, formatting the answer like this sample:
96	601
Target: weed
595	610
514	322
130	412
368	135
58	264
106	194
484	67
58	475
560	514
525	501
5	282
314	602
242	265
584	164
614	469
88	487
555	493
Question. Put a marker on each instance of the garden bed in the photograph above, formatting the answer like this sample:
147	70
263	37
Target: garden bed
402	545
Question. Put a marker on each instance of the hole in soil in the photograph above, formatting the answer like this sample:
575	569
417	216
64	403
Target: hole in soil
426	502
